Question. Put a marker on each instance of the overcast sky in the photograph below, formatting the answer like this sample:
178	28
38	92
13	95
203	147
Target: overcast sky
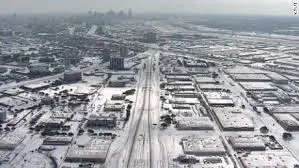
268	7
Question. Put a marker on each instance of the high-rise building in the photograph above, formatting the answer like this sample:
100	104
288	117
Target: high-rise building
130	13
117	63
124	51
106	54
14	15
150	37
2	115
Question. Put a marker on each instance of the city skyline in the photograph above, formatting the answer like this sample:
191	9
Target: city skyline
267	7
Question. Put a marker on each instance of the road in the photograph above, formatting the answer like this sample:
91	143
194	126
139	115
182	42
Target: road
141	145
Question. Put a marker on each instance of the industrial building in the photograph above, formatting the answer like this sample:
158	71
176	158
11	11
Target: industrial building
171	78
284	109
72	76
118	97
268	159
204	80
234	121
287	121
54	123
113	107
94	151
35	87
277	78
210	87
250	77
258	86
194	123
219	99
95	120
117	83
203	146
179	88
249	143
11	140
195	63
60	140
271	97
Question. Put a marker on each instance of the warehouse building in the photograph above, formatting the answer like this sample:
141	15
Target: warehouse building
118	97
204	80
179	88
258	86
277	78
117	83
171	78
287	121
94	151
57	140
181	83
202	146
254	77
234	121
184	94
113	107
35	87
54	123
95	120
11	140
219	99
268	159
194	123
210	87
181	106
248	143
285	109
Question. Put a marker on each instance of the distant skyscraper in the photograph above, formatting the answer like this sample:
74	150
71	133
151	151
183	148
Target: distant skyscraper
121	14
130	13
14	15
90	12
110	13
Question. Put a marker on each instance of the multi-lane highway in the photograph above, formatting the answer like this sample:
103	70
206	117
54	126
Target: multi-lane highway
141	147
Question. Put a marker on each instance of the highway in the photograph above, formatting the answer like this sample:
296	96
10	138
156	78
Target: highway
140	147
140	154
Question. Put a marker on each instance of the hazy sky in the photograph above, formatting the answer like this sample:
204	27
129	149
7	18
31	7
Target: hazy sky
269	7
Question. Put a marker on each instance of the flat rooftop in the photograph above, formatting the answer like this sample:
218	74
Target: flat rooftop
194	123
247	143
265	159
197	145
258	86
232	121
250	77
